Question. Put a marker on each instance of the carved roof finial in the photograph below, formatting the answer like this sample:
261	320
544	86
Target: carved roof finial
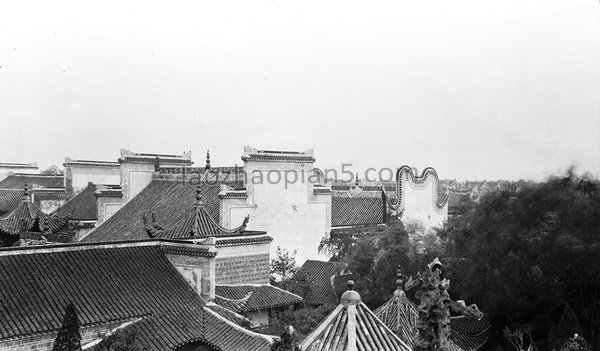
207	160
26	192
199	195
399	282
157	164
356	179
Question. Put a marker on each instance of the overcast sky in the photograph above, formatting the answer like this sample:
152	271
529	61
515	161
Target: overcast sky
477	89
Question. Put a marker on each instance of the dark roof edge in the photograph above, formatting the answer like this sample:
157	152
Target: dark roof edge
98	245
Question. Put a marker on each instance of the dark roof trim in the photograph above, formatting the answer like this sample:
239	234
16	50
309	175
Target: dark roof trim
91	246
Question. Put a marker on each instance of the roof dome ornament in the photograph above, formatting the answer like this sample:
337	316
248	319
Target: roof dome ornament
207	160
350	296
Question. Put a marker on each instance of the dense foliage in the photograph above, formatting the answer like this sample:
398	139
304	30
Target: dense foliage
68	338
373	258
524	256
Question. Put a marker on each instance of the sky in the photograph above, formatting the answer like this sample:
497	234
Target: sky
476	89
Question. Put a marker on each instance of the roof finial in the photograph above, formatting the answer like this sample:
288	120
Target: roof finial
350	296
198	195
399	282
26	192
350	284
207	160
156	164
356	179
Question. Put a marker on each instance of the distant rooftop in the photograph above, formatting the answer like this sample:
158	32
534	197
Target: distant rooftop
32	165
17	181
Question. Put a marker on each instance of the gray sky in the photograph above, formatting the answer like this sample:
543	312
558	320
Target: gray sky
477	89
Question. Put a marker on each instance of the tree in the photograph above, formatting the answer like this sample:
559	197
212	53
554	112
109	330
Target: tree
53	170
68	338
288	341
122	340
522	255
284	264
373	258
568	325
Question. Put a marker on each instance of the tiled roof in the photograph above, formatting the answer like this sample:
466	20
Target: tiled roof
17	181
28	217
319	274
169	201
244	298
197	222
229	314
111	284
227	336
401	315
81	207
347	211
9	199
468	333
352	321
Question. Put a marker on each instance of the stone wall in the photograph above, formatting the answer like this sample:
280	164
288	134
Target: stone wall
251	269
46	341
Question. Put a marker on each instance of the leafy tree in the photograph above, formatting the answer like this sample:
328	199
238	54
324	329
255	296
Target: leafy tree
284	264
53	170
568	325
288	341
68	338
304	320
523	254
122	340
373	258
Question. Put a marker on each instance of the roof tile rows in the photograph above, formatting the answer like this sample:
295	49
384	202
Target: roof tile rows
111	284
81	207
18	181
9	199
28	217
369	333
347	211
169	201
197	222
252	297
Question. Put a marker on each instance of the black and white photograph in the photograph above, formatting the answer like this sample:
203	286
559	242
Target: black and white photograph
285	175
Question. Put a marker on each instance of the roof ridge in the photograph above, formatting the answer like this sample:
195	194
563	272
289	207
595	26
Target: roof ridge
269	338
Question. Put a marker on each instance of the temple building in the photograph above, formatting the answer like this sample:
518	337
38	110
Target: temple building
144	287
27	224
46	191
352	326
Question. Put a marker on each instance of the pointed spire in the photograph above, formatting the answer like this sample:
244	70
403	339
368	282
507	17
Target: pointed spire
26	197
199	196
399	283
207	160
